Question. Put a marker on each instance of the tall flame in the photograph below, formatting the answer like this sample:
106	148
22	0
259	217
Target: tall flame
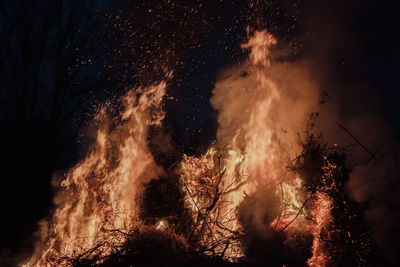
263	106
98	195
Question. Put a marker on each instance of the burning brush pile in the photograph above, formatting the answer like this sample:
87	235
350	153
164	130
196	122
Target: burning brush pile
268	192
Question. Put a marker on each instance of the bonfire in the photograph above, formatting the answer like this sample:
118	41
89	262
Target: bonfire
267	191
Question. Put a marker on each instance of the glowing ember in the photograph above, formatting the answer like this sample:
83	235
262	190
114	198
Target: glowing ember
162	225
321	212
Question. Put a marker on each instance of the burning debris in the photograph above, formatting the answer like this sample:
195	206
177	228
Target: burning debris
258	196
209	196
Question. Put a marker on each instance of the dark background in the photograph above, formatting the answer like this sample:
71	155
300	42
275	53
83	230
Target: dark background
60	60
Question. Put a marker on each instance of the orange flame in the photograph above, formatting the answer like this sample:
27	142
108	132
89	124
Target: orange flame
98	194
321	212
257	135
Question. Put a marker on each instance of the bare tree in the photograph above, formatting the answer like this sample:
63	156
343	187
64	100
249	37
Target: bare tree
45	55
42	59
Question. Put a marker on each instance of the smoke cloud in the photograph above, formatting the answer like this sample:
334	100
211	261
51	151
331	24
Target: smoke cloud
338	59
326	78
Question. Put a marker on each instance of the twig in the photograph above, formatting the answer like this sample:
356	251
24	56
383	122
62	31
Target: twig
234	189
388	175
205	219
297	215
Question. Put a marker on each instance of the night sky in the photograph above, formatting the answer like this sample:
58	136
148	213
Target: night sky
354	41
123	44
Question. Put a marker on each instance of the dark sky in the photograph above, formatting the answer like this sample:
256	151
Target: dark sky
380	42
357	41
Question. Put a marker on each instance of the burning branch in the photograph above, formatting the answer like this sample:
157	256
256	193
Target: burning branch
297	215
208	196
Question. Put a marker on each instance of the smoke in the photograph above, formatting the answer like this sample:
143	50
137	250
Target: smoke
338	62
263	106
236	97
338	38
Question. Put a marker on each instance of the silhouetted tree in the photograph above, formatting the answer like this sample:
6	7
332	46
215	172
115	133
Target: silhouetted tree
45	54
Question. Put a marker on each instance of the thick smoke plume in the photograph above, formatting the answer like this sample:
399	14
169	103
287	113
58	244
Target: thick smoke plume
264	107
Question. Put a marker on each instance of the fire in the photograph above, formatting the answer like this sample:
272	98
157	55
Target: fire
321	212
259	122
292	218
162	225
98	195
209	195
256	138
